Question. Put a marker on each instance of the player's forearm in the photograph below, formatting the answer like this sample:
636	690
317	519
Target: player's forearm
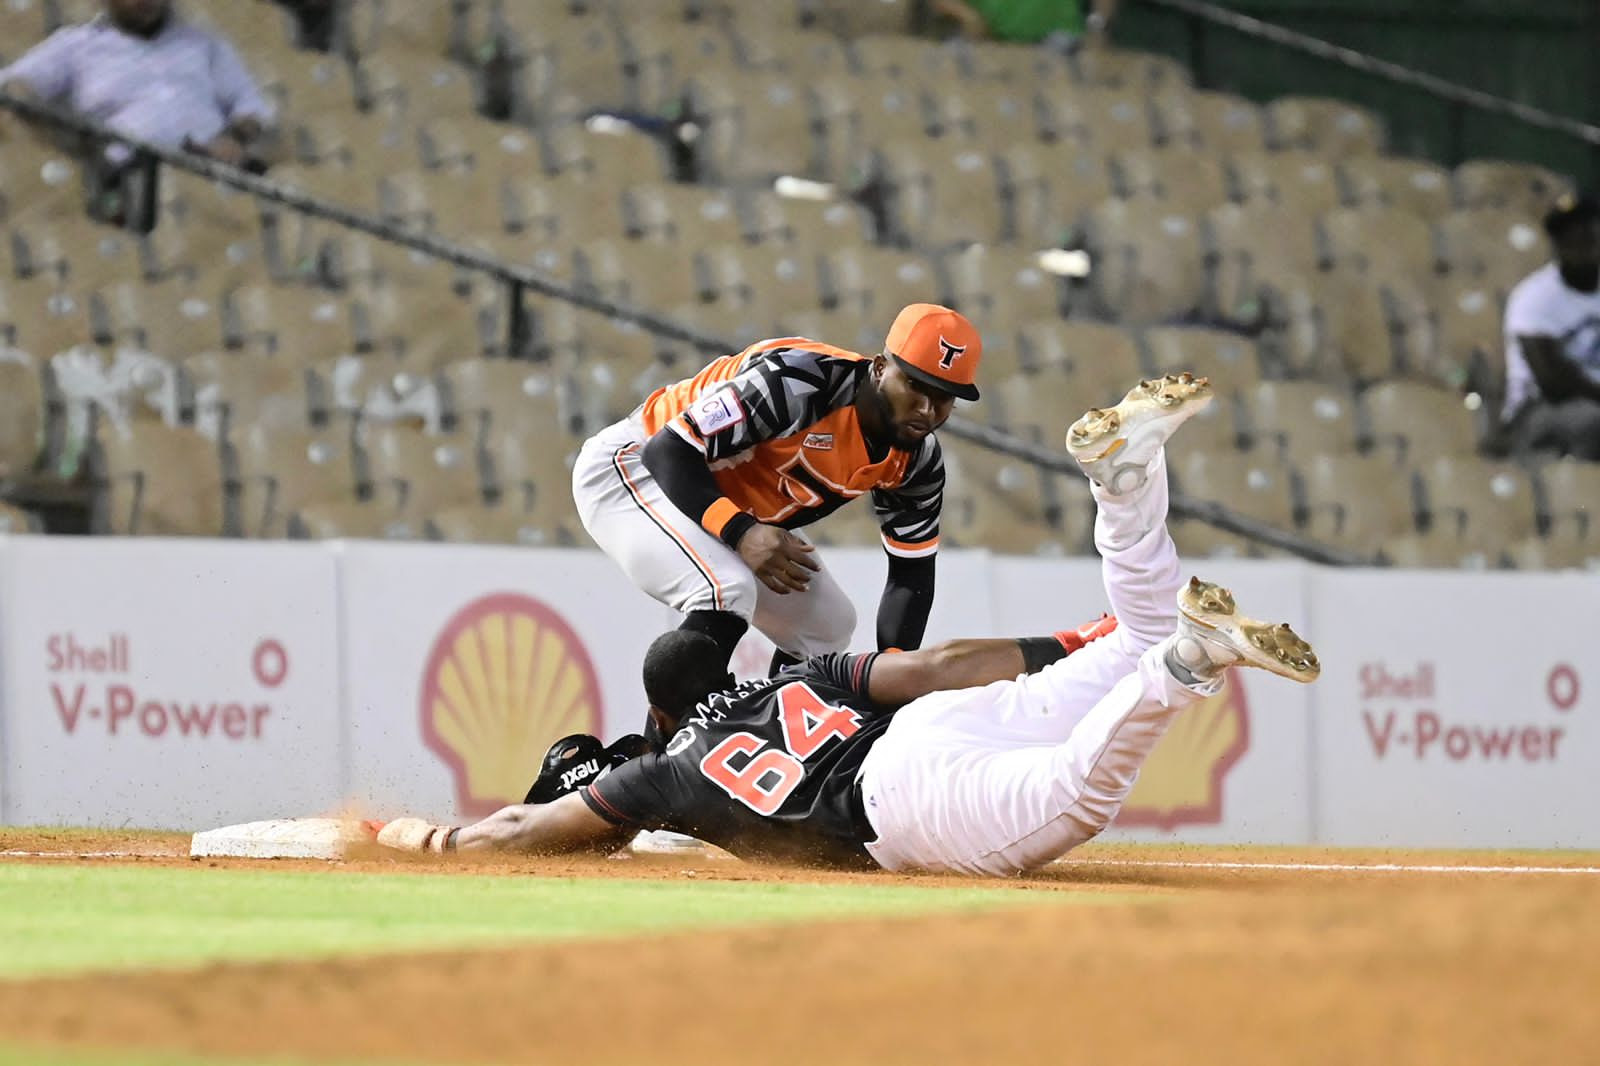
565	825
682	473
907	600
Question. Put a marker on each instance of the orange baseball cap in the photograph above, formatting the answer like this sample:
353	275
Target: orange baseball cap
938	347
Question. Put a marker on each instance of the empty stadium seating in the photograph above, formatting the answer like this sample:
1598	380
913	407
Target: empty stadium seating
327	383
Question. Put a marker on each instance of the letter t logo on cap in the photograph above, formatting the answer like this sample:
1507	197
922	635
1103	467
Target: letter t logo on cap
948	353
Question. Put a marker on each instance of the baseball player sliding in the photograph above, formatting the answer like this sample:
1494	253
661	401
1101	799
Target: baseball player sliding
699	493
976	756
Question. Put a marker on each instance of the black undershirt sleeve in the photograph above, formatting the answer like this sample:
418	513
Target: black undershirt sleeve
907	600
682	473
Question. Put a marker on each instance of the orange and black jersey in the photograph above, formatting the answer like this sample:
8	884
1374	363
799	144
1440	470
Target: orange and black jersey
776	425
766	770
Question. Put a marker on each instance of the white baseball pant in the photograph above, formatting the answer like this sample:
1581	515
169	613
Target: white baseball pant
1004	778
671	557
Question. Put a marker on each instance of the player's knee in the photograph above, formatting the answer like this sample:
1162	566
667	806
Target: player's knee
835	626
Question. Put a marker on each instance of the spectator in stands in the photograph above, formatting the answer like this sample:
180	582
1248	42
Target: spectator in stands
1058	23
1552	331
142	69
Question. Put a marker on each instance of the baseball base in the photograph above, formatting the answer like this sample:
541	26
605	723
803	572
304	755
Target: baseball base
282	838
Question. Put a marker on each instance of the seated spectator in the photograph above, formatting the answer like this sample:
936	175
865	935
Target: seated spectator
1552	330
143	70
1060	24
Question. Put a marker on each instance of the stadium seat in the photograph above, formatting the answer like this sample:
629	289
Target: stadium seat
1109	119
1417	422
73	251
467	145
296	324
763	278
167	318
878	280
353	520
901	57
615	155
22	413
1499	183
1564	547
1001	286
664	53
1231	361
1196	539
196	253
753	125
36	179
1439	548
851	329
303	83
1492	502
693	215
545	208
438	202
992	501
656	276
943	199
853	18
1147	265
417	473
367	27
1332	128
1051	187
1218	122
1301	182
1379	242
983	114
502	523
279	471
1358	338
236	390
480	396
582	56
1470	342
1248	483
1355	501
403	85
339	140
1571	495
23	23
526	472
1494	247
158	480
1176	179
40	317
16	520
1119	68
766	43
814	226
1266	239
1300	419
1424	189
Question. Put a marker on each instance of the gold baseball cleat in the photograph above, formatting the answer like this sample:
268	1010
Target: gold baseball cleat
1115	446
1207	613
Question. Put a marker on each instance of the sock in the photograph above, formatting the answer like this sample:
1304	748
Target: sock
781	659
724	627
1188	661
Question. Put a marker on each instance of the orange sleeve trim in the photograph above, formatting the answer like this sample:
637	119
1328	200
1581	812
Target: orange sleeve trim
718	515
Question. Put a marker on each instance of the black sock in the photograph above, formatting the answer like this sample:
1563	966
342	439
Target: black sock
724	627
781	659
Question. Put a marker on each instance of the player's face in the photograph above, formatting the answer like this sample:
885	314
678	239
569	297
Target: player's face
911	409
1578	253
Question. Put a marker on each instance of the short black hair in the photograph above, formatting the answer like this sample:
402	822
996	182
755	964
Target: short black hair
1569	211
681	668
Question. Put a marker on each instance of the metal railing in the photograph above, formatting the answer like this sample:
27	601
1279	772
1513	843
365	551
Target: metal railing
1460	97
519	280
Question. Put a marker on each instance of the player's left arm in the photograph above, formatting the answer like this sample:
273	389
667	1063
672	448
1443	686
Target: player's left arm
909	523
565	825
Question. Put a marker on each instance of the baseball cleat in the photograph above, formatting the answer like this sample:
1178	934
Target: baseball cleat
1207	615
1116	446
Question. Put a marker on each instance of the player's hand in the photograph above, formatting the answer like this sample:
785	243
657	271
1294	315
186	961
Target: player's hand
414	834
779	559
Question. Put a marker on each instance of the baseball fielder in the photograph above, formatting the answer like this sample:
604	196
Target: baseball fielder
699	493
953	758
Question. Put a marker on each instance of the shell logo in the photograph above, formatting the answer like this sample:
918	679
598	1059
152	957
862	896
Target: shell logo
1181	782
506	678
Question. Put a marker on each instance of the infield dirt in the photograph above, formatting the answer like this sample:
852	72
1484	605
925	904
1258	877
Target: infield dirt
1204	965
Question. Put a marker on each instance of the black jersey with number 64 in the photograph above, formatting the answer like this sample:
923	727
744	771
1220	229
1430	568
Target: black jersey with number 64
766	770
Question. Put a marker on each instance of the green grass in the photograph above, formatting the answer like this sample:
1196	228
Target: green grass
70	919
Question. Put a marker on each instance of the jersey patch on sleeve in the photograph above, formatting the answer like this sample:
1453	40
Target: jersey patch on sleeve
718	411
